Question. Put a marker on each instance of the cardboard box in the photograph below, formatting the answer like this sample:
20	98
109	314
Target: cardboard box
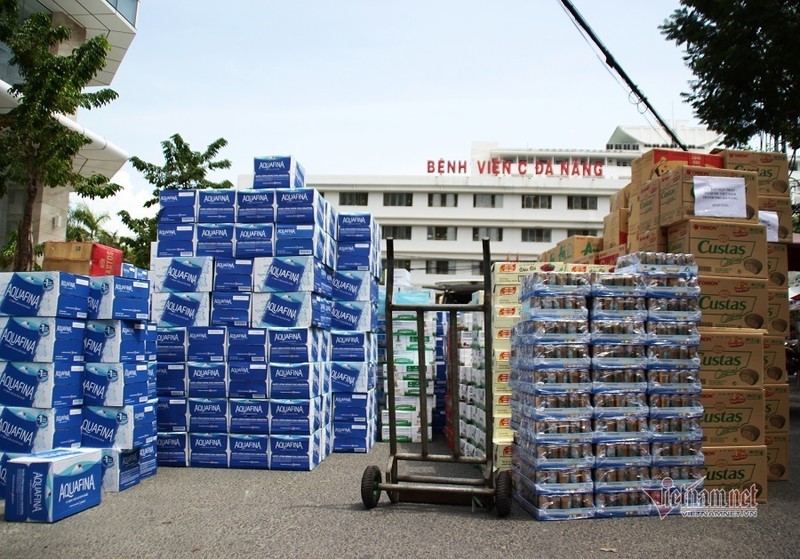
733	302
634	216
578	246
117	427
41	340
255	206
777	456
249	451
615	228
652	240
677	196
511	273
182	274
216	205
120	469
208	415
249	416
90	259
36	430
173	449
110	341
208	450
43	294
610	256
181	309
620	198
777	265
772	169
115	384
41	385
721	248
658	162
778	323
172	415
731	358
775	360
207	380
733	417
776	405
290	381
294	417
736	468
783	207
649	205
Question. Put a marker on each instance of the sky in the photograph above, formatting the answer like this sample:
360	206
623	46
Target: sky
363	87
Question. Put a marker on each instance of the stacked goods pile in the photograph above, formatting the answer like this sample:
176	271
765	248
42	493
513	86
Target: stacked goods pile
472	396
605	397
440	378
244	301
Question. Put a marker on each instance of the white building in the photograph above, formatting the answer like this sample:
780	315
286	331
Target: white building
524	200
116	20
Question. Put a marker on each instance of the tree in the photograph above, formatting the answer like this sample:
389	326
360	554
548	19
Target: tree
83	225
182	169
744	57
36	151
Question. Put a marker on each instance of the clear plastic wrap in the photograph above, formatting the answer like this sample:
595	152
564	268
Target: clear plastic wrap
617	403
553	429
563	505
619	308
622	453
632	425
677	475
555	307
551	380
618	331
673	309
673	333
613	380
632	502
654	263
677	453
558	454
681	403
619	356
549	480
561	356
555	283
551	406
673	357
622	477
668	425
553	331
613	284
674	381
671	285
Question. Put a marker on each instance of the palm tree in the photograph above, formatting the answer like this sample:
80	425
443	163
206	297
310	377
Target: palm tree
86	226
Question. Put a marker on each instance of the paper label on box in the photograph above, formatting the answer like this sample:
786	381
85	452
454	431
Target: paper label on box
770	219
719	197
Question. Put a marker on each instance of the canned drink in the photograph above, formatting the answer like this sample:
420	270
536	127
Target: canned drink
544	502
577	501
565	501
563	477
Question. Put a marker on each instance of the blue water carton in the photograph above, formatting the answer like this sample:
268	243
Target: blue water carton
233	274
207	380
329	255
49	486
181	309
230	309
207	343
175	232
183	274
247	344
277	171
208	415
208	450
354	315
354	407
110	341
114	384
4	458
300	240
249	451
288	274
295	417
290	310
171	344
352	437
215	240
172	249
255	206
148	458
115	297
46	294
247	380
41	385
173	449
177	206
295	452
41	340
254	239
117	427
349	345
120	469
332	221
354	255
172	414
249	416
353	376
130	271
290	345
290	381
354	286
25	429
216	205
300	205
171	379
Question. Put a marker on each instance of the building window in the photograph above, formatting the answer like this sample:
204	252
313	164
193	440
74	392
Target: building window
442	233
488	201
493	233
441	266
590	232
536	235
399	232
398	264
537	201
398	199
582	202
353	198
442	200
476	267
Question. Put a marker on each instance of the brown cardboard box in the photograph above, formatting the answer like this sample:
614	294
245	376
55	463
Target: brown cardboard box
676	201
783	207
776	407
609	256
778	323
633	211
722	248
511	273
775	360
578	246
777	456
649	211
620	198
733	416
588	259
733	302
734	467
777	265
658	162
507	294
615	228
91	259
772	169
584	268
653	240
731	358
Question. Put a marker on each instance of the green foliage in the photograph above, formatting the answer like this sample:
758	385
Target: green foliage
182	169
36	151
744	57
83	225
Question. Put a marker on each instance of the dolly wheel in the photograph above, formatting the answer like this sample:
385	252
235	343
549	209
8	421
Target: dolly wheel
502	493
370	492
